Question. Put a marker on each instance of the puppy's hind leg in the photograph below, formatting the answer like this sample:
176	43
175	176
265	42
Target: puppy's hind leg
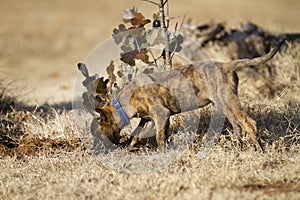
241	122
161	118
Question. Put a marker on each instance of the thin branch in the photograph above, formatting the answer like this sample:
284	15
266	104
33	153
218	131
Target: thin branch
173	53
176	25
181	25
152	2
165	33
137	44
168	14
154	59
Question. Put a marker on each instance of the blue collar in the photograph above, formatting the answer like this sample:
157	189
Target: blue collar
121	111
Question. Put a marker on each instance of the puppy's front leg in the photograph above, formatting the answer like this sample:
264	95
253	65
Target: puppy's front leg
161	118
140	132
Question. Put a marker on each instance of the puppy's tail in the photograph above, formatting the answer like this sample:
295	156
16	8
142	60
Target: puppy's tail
234	65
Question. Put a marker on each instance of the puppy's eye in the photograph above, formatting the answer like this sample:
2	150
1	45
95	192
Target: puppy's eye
98	120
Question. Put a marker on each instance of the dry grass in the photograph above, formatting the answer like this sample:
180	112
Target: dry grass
54	160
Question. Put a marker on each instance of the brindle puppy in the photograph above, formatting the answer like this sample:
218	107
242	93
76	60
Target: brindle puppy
157	96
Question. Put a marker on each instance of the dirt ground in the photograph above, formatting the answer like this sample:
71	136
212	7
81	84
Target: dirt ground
42	41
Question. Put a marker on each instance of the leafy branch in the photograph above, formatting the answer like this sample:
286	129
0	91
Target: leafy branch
135	44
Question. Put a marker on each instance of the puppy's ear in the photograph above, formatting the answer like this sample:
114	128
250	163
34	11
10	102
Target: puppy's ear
82	67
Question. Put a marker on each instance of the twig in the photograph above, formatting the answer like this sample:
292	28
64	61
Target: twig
181	25
165	33
149	1
154	59
168	13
